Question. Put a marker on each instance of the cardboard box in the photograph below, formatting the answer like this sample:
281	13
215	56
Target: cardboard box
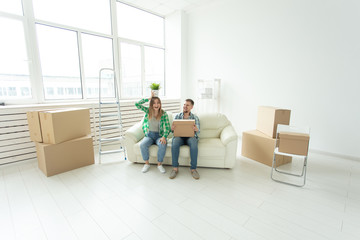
269	117
184	128
294	143
260	147
34	126
58	126
58	158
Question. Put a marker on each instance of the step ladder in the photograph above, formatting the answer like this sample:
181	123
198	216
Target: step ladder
109	121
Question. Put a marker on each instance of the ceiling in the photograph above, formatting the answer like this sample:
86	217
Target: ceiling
165	7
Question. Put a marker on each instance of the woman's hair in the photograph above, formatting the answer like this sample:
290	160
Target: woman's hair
151	109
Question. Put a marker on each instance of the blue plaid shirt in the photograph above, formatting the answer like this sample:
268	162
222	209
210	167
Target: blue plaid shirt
191	116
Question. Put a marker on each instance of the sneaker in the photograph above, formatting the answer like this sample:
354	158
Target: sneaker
173	174
145	168
161	168
195	174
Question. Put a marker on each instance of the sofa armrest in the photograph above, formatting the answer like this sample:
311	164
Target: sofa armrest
229	138
135	133
228	135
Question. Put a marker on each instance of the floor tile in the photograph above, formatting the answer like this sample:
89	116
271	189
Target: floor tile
85	227
175	229
114	200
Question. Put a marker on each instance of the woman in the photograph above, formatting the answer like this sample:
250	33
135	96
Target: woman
156	126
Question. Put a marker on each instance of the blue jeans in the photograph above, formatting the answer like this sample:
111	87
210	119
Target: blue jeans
150	139
192	142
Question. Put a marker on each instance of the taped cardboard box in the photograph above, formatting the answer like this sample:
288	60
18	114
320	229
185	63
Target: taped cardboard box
260	147
269	117
34	126
184	128
56	126
58	158
294	143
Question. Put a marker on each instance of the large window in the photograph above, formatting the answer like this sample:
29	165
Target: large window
141	66
14	64
154	68
11	6
97	54
59	62
139	25
54	50
131	70
93	15
141	51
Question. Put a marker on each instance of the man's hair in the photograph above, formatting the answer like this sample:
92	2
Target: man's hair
190	100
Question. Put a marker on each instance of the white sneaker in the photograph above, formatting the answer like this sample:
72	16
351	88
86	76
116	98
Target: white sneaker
161	168
145	168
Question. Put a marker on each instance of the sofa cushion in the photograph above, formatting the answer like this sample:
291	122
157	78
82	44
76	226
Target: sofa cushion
211	124
209	147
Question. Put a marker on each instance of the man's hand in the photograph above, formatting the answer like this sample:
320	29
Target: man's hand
195	128
163	140
172	127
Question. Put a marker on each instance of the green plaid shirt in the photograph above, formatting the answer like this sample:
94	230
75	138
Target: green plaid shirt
164	120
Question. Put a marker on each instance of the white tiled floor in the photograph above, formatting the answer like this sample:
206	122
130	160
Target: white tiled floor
116	201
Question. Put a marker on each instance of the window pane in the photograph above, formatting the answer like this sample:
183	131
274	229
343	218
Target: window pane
130	70
139	25
11	6
97	54
92	15
154	68
59	62
14	69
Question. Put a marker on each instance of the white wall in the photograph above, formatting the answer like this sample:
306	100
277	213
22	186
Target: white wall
175	44
302	55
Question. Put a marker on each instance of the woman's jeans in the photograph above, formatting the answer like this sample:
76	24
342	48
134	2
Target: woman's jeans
152	138
192	142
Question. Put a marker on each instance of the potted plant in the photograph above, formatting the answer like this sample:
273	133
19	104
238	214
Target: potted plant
155	88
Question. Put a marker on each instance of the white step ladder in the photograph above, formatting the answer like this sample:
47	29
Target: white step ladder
105	117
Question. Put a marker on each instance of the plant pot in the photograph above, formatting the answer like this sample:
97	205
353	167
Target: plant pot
156	93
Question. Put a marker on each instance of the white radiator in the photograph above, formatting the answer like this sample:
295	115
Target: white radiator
15	143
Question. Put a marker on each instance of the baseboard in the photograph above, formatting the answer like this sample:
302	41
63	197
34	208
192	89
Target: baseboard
335	154
320	152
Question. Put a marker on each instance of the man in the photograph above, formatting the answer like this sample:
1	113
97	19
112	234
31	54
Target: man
192	142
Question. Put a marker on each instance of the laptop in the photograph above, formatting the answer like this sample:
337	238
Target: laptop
184	128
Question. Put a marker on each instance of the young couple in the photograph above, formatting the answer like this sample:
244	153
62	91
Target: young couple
156	126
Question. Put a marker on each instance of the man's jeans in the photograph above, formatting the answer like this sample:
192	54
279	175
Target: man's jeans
192	142
152	138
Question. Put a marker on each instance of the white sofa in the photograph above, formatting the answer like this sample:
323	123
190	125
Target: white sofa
217	145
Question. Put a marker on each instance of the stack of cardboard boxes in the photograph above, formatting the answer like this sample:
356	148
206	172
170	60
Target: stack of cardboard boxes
259	144
63	140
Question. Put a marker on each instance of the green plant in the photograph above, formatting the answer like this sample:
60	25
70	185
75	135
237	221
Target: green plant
155	86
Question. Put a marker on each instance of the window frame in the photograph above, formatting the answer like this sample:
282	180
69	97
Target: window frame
35	73
30	57
142	46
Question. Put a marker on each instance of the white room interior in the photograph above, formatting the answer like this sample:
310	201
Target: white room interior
298	55
303	56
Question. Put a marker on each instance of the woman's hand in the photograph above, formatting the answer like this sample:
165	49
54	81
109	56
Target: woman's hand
152	95
163	140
